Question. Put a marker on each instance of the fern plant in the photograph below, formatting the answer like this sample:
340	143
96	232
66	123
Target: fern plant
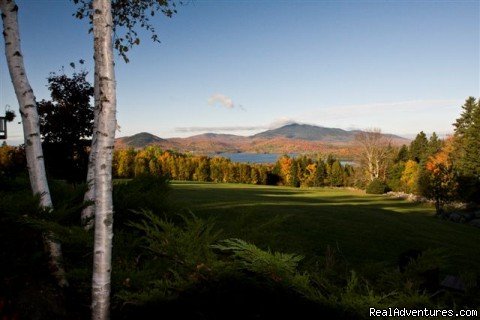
276	266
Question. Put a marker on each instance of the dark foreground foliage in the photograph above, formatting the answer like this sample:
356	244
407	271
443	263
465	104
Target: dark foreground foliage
167	263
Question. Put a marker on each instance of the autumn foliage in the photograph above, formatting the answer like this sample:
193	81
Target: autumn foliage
305	171
442	177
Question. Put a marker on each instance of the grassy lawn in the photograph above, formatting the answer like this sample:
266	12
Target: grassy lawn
369	231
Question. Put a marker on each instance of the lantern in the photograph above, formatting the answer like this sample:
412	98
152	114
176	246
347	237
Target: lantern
3	128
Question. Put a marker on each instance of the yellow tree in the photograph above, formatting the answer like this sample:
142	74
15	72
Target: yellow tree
125	162
410	176
310	175
285	163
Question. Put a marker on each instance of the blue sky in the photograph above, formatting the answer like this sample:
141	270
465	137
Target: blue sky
246	66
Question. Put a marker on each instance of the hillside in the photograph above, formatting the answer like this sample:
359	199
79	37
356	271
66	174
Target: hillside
141	140
294	137
308	132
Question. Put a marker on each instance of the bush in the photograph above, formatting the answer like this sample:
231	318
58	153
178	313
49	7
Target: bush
144	192
377	186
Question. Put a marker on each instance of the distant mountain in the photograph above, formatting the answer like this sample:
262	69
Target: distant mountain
296	138
218	137
141	140
307	132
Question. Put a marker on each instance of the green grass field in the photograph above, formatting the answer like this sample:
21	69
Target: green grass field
369	231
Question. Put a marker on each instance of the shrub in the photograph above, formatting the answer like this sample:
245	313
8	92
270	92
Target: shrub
144	192
274	265
377	186
169	257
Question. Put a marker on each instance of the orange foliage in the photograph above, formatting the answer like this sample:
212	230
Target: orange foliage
442	160
443	183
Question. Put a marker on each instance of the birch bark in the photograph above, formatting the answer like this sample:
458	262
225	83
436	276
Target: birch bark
87	215
105	136
31	127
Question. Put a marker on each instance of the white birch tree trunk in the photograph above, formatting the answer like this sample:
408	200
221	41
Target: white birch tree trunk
88	212
31	126
105	136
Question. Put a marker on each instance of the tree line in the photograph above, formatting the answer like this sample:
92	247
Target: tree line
444	170
440	169
302	171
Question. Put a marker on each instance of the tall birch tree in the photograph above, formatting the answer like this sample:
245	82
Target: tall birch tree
126	17
105	137
87	215
31	127
108	17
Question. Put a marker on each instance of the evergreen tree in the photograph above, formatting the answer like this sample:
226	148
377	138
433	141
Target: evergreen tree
467	150
434	145
330	160
402	154
349	173
320	174
418	148
467	134
394	176
336	174
466	118
294	181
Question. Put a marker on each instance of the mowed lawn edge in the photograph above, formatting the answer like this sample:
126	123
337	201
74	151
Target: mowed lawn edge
367	230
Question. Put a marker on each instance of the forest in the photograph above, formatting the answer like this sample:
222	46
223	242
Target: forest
88	230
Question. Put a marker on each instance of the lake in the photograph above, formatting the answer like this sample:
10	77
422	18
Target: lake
254	157
261	157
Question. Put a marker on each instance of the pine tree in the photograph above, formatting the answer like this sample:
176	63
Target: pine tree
321	174
467	134
402	154
467	150
466	118
418	148
294	180
434	145
336	174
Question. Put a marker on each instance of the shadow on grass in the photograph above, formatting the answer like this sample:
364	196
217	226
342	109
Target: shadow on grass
366	228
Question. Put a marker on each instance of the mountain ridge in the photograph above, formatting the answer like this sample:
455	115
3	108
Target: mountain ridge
307	132
289	138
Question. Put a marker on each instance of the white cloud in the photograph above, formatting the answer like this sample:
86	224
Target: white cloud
221	99
280	122
252	129
219	129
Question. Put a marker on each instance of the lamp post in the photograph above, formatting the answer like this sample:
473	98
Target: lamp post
3	128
